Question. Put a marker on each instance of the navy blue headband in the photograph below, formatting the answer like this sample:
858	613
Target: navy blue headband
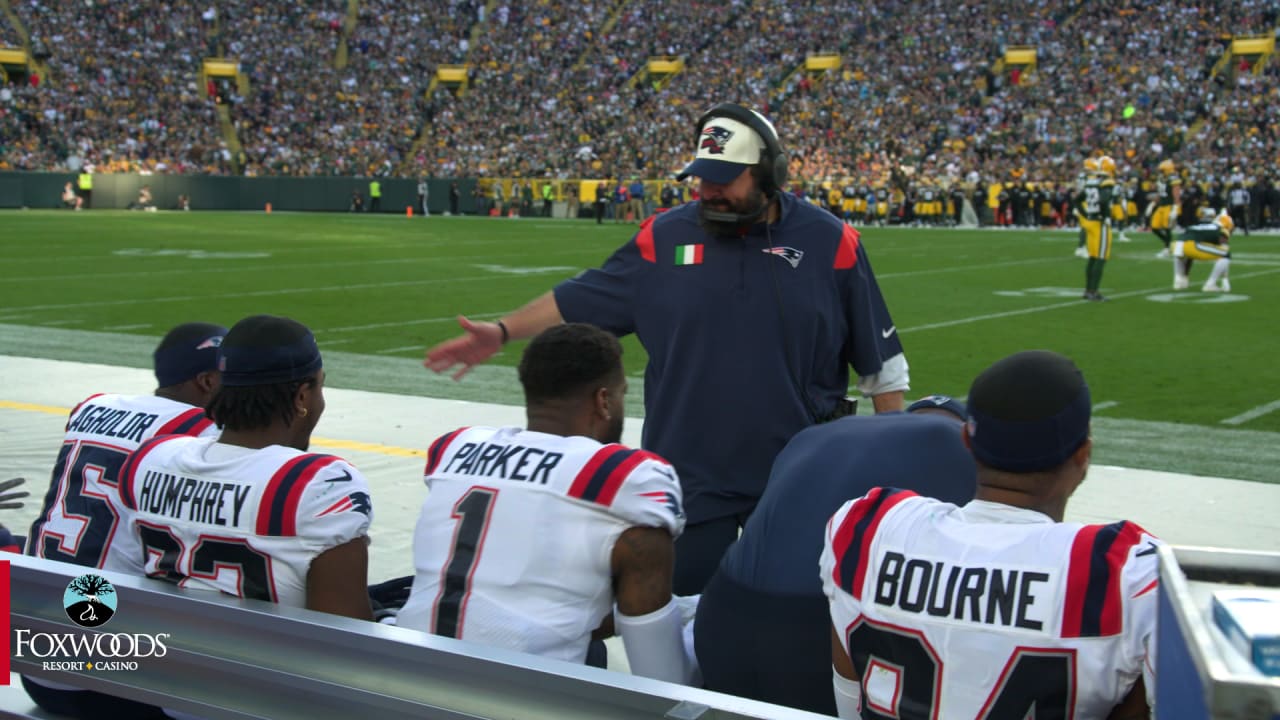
248	365
1030	445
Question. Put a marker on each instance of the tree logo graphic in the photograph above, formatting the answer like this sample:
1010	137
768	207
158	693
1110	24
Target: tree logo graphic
90	601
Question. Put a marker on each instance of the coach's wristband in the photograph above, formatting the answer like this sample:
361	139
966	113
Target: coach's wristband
505	334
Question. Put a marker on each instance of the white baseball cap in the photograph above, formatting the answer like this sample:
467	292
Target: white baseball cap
726	147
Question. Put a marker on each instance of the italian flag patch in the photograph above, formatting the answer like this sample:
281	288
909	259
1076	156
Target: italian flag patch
689	254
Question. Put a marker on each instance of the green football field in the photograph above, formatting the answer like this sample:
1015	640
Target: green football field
1181	381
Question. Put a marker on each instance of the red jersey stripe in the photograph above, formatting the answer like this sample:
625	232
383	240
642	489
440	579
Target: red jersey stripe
852	544
613	483
176	425
130	468
583	478
1112	620
79	405
1151	586
1093	605
1077	580
268	495
438	448
294	498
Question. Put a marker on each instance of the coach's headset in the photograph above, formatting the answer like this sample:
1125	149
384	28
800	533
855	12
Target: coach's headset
773	160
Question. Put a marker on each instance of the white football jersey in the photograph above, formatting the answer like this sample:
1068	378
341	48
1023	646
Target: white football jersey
80	515
248	522
987	610
514	544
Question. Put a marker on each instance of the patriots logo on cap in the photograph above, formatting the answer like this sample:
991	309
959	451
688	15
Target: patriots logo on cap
790	254
213	342
714	138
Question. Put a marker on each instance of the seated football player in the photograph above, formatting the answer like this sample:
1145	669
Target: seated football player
251	513
78	520
997	608
530	536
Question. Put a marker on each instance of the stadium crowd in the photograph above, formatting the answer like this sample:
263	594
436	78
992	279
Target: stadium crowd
121	95
560	91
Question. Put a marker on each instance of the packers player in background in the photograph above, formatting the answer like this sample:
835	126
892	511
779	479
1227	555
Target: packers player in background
1162	212
1090	171
1121	195
849	203
1093	208
1206	240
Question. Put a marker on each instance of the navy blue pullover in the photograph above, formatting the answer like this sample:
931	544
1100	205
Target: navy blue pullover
734	327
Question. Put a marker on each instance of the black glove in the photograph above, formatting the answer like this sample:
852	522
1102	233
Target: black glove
390	595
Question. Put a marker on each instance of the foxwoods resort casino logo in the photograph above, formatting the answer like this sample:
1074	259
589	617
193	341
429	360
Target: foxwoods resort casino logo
90	601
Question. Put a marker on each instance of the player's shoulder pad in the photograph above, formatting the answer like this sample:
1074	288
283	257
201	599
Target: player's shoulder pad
81	404
611	466
278	511
127	476
643	489
190	421
852	530
1108	565
440	447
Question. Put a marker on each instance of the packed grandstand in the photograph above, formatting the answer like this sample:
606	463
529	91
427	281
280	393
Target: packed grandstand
557	90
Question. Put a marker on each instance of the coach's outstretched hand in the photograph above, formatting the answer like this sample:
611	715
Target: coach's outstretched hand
12	500
480	342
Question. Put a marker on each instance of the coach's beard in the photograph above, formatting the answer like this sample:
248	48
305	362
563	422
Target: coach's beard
725	217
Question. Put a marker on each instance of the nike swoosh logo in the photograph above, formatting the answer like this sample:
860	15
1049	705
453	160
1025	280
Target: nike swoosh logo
342	478
886	333
1150	549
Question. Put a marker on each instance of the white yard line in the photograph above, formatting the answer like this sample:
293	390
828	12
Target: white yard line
139	326
264	267
1252	413
963	268
400	323
263	293
402	348
1055	306
1105	405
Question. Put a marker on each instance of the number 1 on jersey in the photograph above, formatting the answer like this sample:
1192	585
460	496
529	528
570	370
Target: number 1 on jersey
472	513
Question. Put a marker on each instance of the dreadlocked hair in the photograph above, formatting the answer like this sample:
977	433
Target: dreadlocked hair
254	407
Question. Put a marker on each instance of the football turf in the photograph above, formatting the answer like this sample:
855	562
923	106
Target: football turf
1182	381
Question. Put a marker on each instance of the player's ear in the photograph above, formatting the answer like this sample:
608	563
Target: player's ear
1081	457
600	403
302	399
209	382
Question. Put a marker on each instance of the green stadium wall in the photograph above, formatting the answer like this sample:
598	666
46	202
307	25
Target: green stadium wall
213	192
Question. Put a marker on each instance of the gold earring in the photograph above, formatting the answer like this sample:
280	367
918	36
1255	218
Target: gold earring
303	412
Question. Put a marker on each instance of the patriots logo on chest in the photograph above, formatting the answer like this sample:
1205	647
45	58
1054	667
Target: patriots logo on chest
714	139
790	254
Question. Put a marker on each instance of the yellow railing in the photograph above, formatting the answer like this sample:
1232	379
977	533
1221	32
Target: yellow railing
815	63
1020	55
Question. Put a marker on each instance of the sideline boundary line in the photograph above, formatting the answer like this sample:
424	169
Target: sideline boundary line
331	443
